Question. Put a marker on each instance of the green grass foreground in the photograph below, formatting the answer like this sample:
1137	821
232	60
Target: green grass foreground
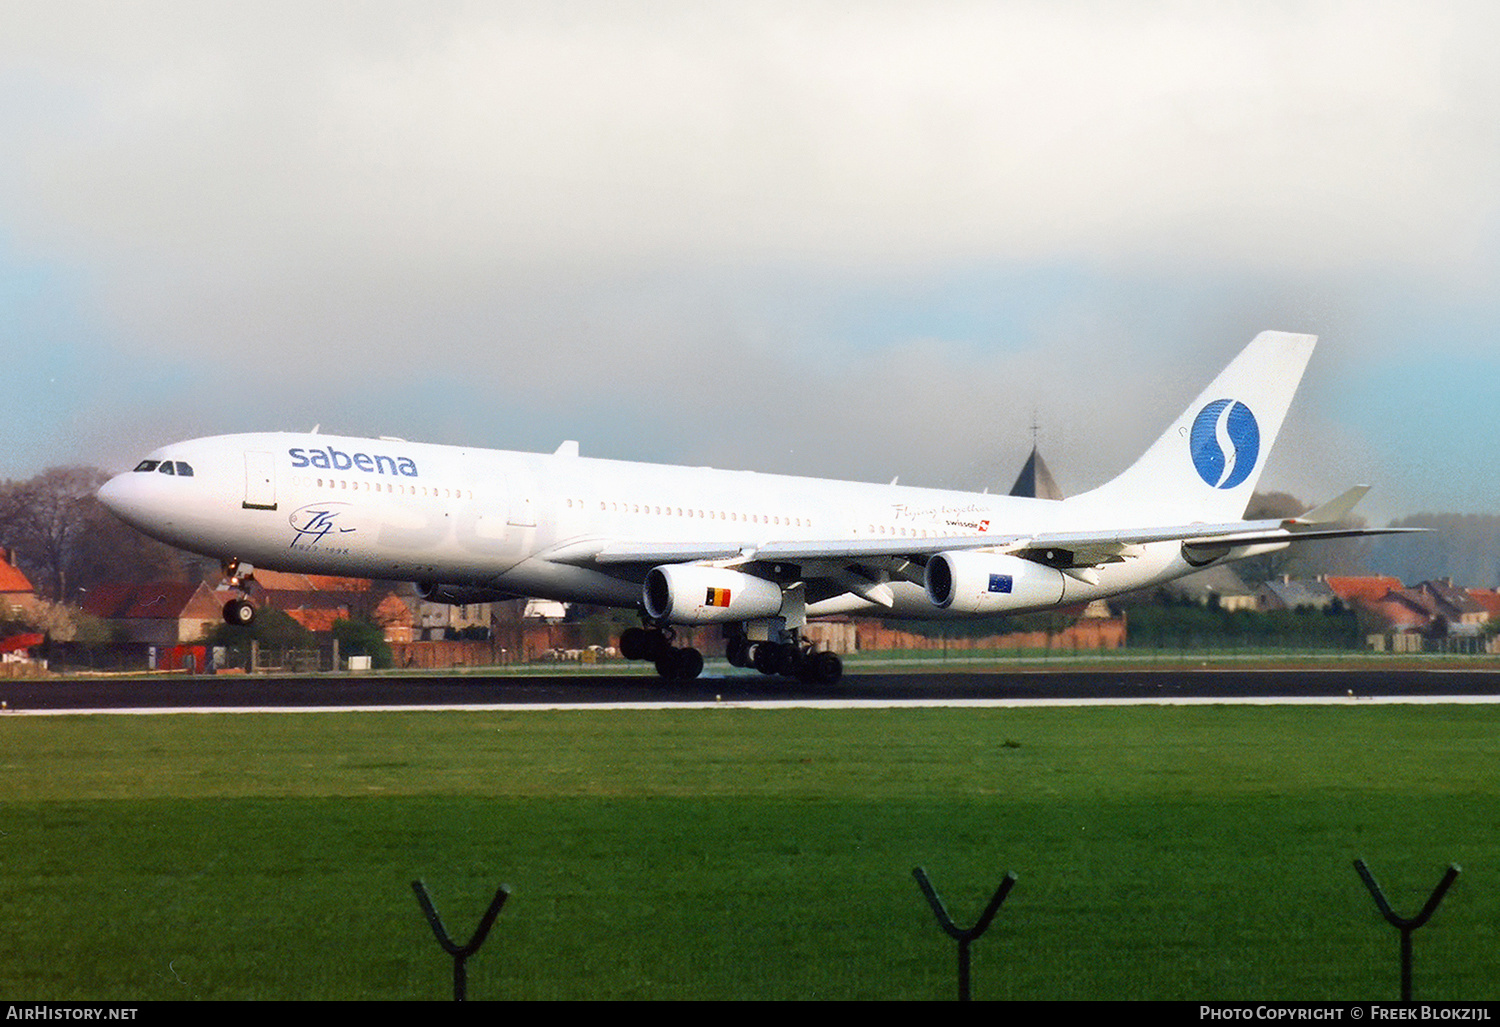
1163	852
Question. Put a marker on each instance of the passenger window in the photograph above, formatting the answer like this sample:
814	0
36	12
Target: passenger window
146	465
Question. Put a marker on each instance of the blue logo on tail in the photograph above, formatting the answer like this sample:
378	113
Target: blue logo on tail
1225	443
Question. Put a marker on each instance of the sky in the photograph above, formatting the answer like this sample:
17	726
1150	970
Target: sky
849	240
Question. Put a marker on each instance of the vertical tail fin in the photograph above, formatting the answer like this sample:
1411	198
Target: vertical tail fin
1206	465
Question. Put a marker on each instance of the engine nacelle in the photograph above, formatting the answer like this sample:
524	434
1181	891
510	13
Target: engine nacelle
681	593
967	582
460	595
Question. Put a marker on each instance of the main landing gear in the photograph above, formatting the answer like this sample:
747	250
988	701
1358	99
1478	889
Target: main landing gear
239	610
794	659
673	663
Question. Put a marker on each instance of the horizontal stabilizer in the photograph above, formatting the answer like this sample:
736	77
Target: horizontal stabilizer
1335	509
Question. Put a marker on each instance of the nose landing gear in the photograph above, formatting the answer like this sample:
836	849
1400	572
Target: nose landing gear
239	610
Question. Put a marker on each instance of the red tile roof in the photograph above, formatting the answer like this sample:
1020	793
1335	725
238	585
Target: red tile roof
1487	598
318	618
279	580
11	578
154	600
1405	608
1367	589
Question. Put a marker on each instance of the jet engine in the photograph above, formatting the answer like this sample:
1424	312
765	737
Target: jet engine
681	593
968	582
460	595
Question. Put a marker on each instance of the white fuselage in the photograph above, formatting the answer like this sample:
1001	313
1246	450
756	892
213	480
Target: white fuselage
527	523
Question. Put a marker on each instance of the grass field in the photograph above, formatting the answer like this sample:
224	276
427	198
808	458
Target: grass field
1162	852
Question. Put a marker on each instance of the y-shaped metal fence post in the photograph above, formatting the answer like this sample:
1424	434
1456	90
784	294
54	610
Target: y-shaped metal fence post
1406	927
460	953
954	931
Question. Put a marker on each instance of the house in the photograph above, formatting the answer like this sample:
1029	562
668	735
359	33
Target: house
395	618
1489	599
1291	594
16	592
314	610
436	620
316	601
1437	608
1362	591
1213	585
1403	610
160	613
1459	612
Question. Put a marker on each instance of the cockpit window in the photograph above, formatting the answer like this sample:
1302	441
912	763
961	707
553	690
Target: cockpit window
177	468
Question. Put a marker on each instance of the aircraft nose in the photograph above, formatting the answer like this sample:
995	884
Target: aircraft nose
123	496
110	493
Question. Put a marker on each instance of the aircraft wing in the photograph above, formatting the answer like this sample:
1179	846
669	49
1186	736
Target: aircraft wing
604	551
1056	548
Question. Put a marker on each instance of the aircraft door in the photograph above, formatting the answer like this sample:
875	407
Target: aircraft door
260	481
500	529
521	489
522	512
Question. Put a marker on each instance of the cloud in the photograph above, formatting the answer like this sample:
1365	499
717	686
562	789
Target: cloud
710	229
283	137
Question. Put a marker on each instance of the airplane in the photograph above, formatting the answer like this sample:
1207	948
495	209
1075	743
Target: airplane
757	554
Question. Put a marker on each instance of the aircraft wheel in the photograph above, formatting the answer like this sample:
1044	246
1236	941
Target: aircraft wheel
737	652
634	643
658	643
828	668
689	664
763	656
679	664
787	661
239	611
666	665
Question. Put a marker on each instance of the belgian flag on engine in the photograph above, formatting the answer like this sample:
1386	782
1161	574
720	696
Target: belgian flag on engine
717	597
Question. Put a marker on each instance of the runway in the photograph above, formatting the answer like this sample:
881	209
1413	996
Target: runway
240	693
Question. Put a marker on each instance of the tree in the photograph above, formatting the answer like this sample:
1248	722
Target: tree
272	629
361	638
52	521
65	540
59	622
1464	547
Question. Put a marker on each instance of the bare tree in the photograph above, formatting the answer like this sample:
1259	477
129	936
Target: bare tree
66	540
52	521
